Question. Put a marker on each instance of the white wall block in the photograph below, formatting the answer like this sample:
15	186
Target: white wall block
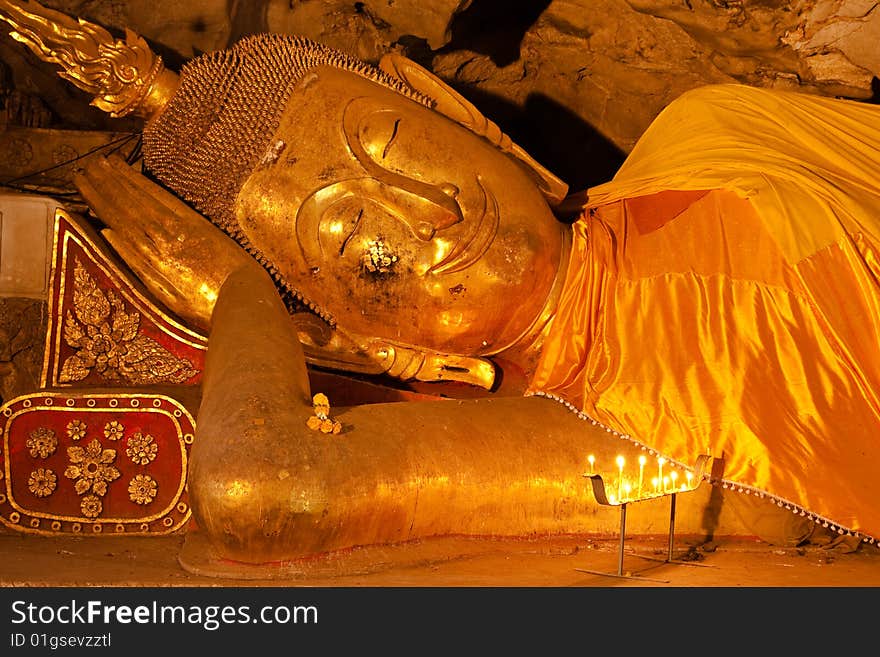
25	244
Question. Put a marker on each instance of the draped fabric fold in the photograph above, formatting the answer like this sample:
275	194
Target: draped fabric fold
723	295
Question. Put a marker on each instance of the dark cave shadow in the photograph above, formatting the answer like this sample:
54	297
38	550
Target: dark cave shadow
494	28
582	155
875	91
554	135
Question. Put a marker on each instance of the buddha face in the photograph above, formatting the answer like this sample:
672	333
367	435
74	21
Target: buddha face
398	222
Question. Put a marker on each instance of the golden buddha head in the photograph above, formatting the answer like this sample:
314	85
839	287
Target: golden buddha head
378	197
399	222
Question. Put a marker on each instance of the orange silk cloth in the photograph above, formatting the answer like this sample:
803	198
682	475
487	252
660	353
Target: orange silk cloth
723	294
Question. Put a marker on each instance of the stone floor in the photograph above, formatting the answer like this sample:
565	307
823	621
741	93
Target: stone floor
562	561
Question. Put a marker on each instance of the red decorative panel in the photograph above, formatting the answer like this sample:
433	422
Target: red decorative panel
102	331
95	464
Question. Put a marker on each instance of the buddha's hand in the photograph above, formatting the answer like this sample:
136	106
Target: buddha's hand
180	256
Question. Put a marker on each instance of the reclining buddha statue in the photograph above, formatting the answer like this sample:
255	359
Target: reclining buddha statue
720	295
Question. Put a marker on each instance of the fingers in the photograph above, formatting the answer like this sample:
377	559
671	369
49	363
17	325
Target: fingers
142	212
100	204
107	185
132	253
156	199
133	205
116	210
128	202
139	259
139	185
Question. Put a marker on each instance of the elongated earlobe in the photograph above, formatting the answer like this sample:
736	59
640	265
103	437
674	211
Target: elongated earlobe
452	104
337	349
409	363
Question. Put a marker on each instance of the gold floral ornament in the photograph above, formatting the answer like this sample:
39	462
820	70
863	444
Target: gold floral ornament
42	482
113	430
76	429
124	76
141	448
91	467
107	340
42	442
142	489
91	506
321	420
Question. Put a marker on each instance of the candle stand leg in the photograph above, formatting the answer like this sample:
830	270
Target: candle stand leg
669	558
622	538
620	572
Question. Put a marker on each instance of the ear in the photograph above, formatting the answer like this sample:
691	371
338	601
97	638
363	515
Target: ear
452	104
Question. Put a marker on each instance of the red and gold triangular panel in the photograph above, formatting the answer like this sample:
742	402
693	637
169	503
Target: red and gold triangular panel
93	464
102	331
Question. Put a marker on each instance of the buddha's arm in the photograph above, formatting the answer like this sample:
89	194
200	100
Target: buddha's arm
265	487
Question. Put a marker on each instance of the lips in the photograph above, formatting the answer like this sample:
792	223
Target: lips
470	248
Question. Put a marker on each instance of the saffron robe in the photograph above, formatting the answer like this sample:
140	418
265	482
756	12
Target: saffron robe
723	297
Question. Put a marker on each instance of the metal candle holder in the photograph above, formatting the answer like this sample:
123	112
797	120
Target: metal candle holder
705	467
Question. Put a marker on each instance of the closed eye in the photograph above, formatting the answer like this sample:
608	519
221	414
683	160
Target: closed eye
391	139
357	222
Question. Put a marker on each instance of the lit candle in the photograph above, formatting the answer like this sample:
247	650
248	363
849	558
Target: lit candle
627	489
620	461
655	482
673	476
592	460
660	462
688	476
665	483
642	461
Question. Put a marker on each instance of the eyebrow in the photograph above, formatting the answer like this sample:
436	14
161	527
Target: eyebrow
358	110
392	138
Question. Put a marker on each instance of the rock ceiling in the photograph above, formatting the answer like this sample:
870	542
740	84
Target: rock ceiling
574	81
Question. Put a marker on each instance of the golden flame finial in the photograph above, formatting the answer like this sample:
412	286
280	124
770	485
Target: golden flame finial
126	77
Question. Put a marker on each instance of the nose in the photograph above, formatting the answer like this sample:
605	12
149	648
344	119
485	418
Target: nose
424	231
425	208
450	190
